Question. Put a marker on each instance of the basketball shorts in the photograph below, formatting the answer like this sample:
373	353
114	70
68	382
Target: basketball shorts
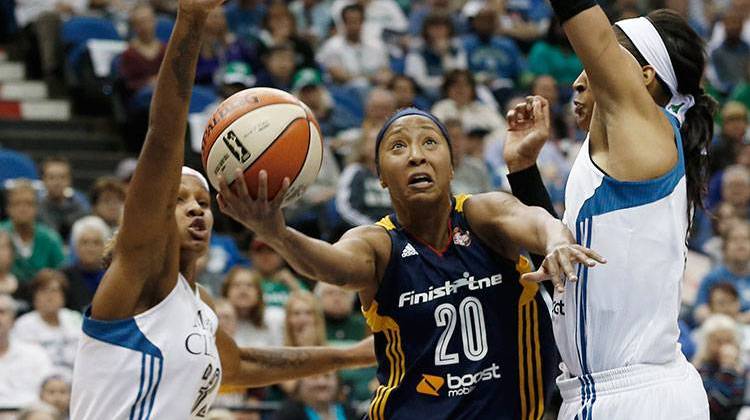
645	392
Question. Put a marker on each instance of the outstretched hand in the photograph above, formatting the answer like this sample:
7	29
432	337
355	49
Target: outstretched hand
560	262
528	130
261	216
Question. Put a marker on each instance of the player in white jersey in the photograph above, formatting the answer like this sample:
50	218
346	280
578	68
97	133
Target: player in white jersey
151	348
630	195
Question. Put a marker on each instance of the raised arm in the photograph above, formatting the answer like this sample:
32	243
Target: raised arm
147	244
500	218
354	262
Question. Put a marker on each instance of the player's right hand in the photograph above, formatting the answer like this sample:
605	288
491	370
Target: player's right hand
528	130
559	264
261	216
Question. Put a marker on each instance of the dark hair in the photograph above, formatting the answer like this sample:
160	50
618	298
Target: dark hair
452	76
107	184
435	19
47	276
256	315
352	7
725	287
688	56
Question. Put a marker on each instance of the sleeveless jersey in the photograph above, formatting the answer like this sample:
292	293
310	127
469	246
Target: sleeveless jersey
161	364
457	336
623	312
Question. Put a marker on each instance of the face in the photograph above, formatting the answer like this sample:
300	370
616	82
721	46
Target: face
243	293
313	97
109	206
353	24
736	190
546	87
22	207
438	33
415	162
49	299
301	318
336	301
56	179
318	389
6	253
266	261
194	217
723	302
281	64
583	102
56	393
403	90
380	105
737	248
143	23
460	90
281	26
90	247
718	339
485	22
7	316
734	129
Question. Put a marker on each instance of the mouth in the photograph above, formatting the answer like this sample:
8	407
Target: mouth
198	229
420	181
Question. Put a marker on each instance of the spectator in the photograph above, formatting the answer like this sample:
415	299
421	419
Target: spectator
554	56
56	393
383	19
140	63
61	206
494	60
735	270
245	18
279	29
89	235
459	91
8	281
343	325
349	57
220	46
437	53
50	325
308	86
724	217
407	93
36	246
470	175
279	68
725	148
719	363
735	189
24	365
316	397
257	325
360	197
275	278
304	323
730	61
38	411
420	11
313	19
108	200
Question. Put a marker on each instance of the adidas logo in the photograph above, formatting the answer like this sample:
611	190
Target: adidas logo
408	251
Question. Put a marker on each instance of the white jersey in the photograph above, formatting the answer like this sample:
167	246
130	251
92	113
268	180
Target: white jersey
623	312
161	364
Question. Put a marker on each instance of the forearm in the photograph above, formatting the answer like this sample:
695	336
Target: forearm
550	233
267	366
527	185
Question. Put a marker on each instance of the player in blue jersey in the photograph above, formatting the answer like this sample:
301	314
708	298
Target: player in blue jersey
151	348
630	194
457	335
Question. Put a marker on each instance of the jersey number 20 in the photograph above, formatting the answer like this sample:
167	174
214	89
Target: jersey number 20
473	331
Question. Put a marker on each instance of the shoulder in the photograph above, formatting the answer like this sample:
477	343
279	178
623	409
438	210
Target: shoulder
45	232
487	204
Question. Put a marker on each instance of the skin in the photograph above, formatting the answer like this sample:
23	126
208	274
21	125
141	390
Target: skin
167	222
56	178
337	302
89	248
301	319
109	207
56	392
7	318
22	210
48	301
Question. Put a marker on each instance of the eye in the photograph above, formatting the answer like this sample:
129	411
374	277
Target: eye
430	141
203	203
397	145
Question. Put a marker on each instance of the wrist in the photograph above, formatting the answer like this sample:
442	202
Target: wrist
519	164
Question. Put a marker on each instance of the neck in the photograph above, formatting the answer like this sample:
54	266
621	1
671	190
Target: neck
24	230
738	267
431	227
4	343
189	270
354	39
51	318
322	408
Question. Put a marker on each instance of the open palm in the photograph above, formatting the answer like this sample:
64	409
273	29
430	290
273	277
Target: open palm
528	130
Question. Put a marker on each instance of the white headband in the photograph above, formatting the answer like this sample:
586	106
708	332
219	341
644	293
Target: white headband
648	42
193	172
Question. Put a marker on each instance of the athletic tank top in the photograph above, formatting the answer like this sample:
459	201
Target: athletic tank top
623	312
457	336
161	364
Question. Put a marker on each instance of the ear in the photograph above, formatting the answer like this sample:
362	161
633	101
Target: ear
649	75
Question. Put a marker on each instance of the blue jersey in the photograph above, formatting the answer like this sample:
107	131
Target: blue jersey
457	335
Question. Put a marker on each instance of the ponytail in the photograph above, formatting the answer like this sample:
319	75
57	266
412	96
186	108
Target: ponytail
697	133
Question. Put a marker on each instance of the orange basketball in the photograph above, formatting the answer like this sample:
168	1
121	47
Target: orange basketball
263	128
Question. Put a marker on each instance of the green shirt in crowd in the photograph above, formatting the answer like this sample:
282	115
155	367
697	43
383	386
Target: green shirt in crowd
46	251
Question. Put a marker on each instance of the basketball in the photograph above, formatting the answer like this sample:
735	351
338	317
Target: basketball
263	128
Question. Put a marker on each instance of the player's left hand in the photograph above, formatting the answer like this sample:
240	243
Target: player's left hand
559	265
528	130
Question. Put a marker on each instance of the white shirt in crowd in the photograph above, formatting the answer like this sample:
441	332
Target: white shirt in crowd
27	11
270	335
380	15
59	342
360	60
24	366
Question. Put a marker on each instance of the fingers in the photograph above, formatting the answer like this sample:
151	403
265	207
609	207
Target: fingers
591	254
535	276
240	186
540	110
263	186
279	199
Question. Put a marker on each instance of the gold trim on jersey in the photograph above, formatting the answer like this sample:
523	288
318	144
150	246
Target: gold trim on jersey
460	200
386	223
529	353
393	351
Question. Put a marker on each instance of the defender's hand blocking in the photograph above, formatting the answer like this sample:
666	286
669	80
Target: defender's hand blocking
261	216
528	130
560	262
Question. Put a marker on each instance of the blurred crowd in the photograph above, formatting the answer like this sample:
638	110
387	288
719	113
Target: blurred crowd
354	63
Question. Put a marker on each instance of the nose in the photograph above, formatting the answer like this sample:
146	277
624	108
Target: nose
194	209
416	157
